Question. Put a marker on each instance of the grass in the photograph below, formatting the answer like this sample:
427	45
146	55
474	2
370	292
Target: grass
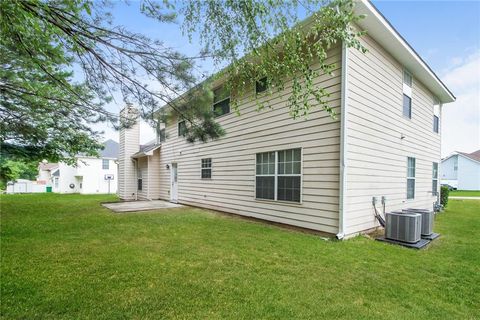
66	257
464	193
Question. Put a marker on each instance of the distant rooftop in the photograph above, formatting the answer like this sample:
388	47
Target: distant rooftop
474	155
110	150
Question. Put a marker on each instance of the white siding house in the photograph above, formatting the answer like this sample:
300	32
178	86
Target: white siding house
89	176
318	173
461	170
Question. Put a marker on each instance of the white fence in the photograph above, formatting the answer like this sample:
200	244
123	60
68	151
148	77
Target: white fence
25	186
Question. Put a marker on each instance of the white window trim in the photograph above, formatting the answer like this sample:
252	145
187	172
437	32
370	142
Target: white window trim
178	128
103	164
276	175
407	90
214	103
435	179
204	168
412	178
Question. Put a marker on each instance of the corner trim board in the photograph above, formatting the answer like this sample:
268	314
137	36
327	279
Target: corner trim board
343	143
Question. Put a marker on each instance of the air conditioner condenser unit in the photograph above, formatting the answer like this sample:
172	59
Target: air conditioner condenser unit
427	220
403	226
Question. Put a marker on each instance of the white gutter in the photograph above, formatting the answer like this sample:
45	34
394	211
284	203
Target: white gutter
343	144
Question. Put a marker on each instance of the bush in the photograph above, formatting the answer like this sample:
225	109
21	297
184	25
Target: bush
444	196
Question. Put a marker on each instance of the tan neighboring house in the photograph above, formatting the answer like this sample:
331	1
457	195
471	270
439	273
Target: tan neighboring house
316	173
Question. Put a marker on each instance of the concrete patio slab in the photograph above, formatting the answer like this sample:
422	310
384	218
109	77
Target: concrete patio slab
143	205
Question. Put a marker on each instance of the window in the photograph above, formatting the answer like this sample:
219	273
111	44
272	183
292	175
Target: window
161	136
221	101
261	85
436	115
278	175
407	94
407	78
206	168
407	106
182	128
435	124
105	164
434	178
139	180
455	163
410	178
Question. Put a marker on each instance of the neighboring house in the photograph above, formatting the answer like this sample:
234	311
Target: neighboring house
461	170
91	175
317	173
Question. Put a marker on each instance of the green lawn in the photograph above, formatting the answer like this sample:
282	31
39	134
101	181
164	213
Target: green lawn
465	193
67	257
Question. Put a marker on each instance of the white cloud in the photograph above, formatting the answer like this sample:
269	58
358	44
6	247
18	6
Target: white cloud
461	119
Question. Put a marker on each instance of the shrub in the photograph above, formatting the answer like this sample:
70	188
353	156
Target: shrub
444	196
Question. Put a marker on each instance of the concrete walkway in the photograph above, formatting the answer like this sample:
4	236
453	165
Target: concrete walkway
143	205
464	198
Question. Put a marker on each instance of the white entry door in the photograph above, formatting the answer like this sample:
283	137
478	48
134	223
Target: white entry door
174	183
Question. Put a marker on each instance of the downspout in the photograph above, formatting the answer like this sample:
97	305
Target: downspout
343	144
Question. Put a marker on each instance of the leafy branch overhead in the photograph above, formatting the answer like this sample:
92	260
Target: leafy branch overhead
64	61
279	48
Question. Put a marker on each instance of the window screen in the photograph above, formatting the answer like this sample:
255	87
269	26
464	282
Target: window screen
206	168
434	178
410	178
105	164
221	101
278	175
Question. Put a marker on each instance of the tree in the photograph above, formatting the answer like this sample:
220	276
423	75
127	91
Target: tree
46	113
12	170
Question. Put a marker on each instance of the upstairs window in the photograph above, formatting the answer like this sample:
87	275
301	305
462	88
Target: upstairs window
161	136
434	178
105	164
436	122
410	178
261	85
407	94
221	101
207	168
182	128
436	116
279	175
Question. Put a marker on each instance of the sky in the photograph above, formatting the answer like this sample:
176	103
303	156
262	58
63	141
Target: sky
446	34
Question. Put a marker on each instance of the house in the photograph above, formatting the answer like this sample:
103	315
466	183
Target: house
461	170
318	173
90	175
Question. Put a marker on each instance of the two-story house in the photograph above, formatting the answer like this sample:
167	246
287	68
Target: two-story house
90	175
318	173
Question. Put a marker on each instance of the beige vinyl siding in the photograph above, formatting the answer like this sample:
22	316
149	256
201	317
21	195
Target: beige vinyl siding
377	155
232	186
129	142
153	174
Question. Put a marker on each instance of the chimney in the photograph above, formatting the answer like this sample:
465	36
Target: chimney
129	145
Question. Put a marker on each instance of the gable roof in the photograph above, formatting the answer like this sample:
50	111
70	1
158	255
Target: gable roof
475	156
47	166
110	150
147	149
378	27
